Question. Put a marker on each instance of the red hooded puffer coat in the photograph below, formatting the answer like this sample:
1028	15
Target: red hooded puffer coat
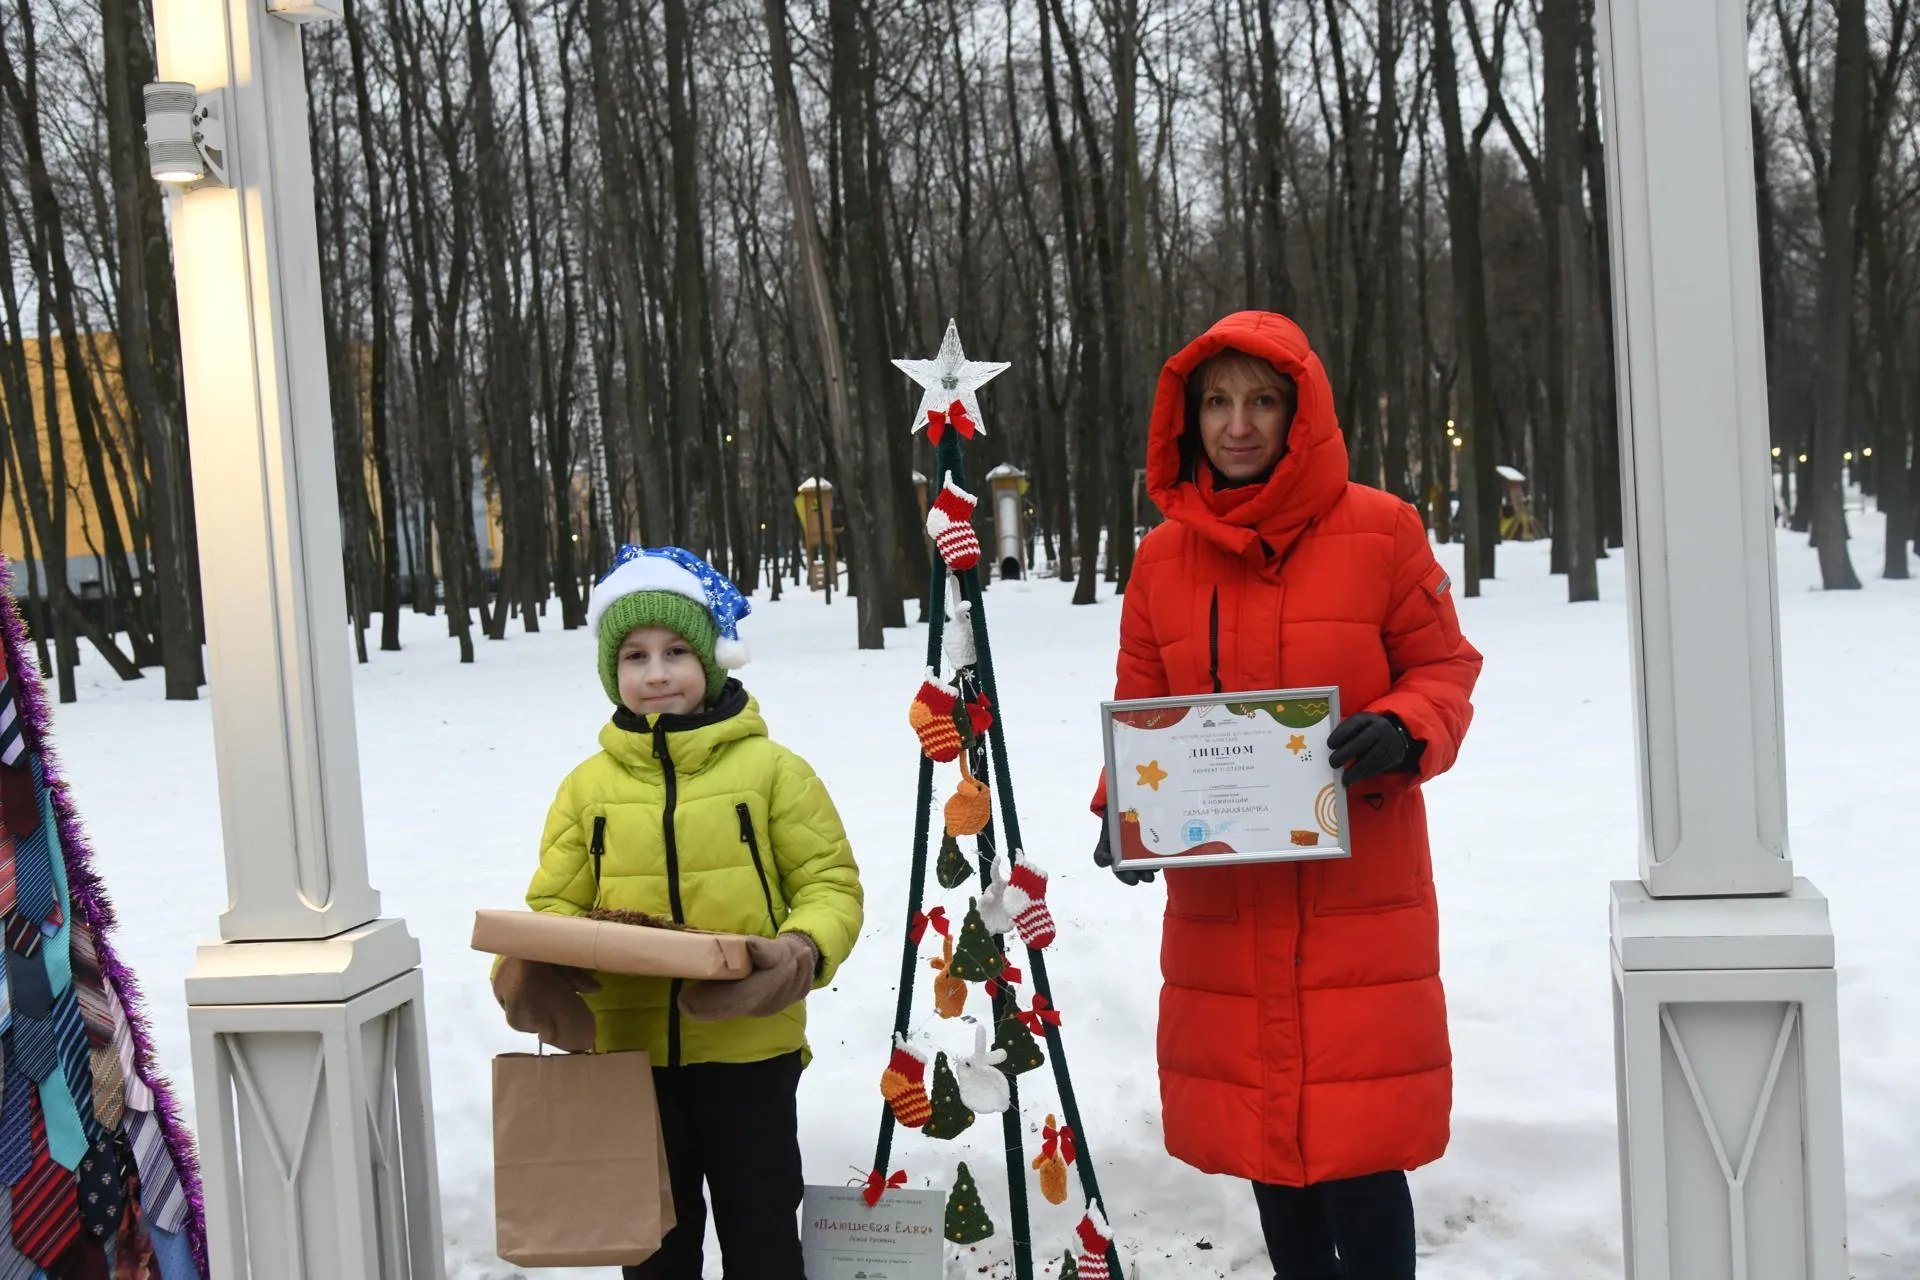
1303	1030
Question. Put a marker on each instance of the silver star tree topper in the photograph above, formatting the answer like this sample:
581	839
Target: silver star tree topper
950	376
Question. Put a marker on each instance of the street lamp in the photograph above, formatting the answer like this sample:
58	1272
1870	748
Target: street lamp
307	1021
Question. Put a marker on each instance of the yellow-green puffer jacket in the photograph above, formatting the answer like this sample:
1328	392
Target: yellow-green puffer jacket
702	819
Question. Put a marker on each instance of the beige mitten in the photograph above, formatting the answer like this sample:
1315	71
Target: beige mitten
783	972
544	1000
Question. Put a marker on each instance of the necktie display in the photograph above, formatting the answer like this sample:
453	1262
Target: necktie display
96	1179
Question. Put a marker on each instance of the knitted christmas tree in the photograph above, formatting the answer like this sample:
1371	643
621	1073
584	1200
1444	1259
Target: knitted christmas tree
93	1159
981	805
967	1220
1022	1050
951	1116
953	869
976	957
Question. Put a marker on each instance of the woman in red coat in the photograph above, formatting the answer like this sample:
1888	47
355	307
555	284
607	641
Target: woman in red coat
1303	1030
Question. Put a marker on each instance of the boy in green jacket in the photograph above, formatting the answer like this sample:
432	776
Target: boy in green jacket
690	813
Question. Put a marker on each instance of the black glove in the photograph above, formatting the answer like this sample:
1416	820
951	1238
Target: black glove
1103	857
1367	745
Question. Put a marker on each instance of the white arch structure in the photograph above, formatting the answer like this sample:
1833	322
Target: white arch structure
310	1070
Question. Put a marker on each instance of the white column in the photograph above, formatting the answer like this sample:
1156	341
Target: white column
314	1110
1724	994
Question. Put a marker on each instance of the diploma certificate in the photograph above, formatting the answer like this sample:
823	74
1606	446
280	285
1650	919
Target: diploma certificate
1221	778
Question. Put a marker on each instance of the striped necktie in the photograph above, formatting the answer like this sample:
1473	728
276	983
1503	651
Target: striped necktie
13	739
14	1265
161	1195
91	987
46	1205
7	893
16	1119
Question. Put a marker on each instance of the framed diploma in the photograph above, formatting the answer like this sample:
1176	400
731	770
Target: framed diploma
1222	778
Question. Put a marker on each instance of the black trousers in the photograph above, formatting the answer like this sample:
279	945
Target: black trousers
732	1130
1351	1229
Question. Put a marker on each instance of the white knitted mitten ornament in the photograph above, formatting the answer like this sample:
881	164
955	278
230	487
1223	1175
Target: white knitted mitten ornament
956	638
995	912
983	1086
950	525
1026	902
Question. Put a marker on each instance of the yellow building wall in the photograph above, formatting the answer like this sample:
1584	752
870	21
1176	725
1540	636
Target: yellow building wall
102	354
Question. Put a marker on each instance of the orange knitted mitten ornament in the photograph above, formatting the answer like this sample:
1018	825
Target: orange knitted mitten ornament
970	808
949	992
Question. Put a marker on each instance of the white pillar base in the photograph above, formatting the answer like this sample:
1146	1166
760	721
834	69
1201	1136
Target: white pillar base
1727	1056
315	1108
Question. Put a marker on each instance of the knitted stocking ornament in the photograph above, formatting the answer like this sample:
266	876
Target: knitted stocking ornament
931	716
904	1084
1026	902
1095	1238
950	525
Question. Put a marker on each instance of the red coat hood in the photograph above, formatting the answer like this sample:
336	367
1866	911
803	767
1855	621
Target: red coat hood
1308	481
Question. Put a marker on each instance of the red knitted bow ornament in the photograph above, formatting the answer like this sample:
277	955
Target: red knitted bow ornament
1040	1017
877	1186
936	918
1009	976
955	416
1058	1141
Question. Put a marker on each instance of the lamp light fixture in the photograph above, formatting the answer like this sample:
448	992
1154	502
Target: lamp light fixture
186	134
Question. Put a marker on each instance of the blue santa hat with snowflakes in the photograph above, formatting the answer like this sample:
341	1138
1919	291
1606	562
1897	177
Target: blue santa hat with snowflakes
642	589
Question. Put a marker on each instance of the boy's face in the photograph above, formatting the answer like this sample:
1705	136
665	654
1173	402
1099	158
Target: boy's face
660	674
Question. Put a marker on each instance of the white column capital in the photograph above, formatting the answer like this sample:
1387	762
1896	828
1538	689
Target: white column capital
1697	485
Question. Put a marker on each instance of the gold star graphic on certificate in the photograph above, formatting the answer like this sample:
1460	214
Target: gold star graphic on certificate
1297	743
1151	774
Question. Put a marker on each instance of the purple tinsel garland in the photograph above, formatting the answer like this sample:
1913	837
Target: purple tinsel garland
90	899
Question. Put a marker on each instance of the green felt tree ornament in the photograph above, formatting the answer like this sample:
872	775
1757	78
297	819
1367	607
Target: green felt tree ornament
1023	1051
951	1115
975	957
1069	1269
967	1220
952	870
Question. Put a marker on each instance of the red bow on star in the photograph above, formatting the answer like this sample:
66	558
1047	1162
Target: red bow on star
877	1187
1040	1017
1058	1141
937	918
1009	976
955	416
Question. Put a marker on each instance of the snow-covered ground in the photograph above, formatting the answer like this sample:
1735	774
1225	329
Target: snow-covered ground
459	763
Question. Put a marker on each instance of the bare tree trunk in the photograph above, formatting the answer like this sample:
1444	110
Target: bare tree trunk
1560	26
1476	420
813	267
1835	318
170	488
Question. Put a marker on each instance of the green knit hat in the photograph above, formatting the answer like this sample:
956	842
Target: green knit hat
669	609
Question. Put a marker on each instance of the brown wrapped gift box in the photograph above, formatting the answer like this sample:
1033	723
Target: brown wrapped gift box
611	948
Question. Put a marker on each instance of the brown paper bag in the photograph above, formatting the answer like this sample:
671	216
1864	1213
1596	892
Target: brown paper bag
579	1168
